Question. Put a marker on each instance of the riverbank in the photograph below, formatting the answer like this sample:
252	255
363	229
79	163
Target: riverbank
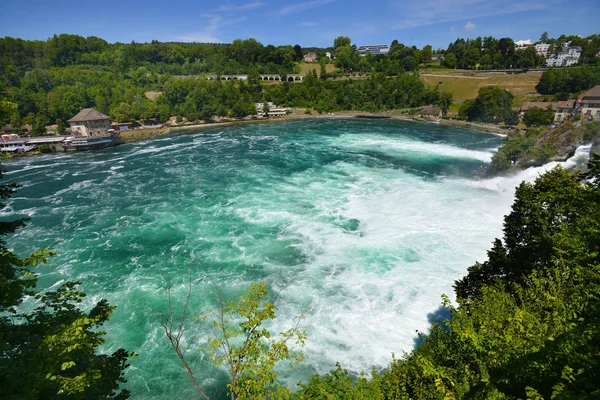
134	135
299	115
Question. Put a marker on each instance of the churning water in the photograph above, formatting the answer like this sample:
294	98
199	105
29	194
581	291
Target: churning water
362	225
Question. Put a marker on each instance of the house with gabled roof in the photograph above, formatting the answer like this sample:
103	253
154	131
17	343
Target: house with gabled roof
89	122
430	111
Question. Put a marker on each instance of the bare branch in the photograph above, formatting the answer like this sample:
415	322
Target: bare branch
175	339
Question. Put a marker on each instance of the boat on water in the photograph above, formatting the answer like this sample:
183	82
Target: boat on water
15	146
80	143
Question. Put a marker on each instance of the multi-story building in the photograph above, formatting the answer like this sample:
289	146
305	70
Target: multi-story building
563	110
589	103
542	49
89	122
565	58
374	49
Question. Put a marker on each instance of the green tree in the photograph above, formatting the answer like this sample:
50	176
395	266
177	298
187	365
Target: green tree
50	351
485	61
534	236
344	57
449	60
7	110
409	63
242	344
445	101
341	41
426	54
323	68
493	104
298	51
536	116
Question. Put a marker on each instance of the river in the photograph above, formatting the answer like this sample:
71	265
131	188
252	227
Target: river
359	225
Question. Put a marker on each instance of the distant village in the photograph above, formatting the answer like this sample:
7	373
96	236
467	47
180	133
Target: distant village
565	56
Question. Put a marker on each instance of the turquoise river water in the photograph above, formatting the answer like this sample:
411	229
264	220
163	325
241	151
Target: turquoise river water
361	226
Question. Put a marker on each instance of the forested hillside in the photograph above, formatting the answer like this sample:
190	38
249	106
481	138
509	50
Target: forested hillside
50	81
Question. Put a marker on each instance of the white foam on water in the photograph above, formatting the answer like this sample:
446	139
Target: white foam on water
408	146
364	252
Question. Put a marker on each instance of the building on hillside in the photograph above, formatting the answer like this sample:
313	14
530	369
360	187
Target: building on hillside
523	44
271	110
310	57
589	103
542	49
437	57
374	49
565	58
328	54
563	110
430	111
533	104
89	122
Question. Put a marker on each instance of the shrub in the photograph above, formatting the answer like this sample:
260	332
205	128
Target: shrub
45	148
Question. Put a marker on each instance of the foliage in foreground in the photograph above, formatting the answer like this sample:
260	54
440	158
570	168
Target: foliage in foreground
50	352
241	344
526	321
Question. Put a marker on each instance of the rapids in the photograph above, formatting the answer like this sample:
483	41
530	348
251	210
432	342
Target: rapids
362	225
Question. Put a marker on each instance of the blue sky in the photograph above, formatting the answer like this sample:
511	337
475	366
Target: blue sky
304	22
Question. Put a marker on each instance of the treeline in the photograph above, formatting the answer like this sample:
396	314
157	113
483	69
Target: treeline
56	95
526	321
375	93
18	56
492	53
399	59
564	81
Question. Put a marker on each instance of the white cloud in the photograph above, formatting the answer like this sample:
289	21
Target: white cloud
299	7
234	8
210	33
308	24
452	28
469	26
428	12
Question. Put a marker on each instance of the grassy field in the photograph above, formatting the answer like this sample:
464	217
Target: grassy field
465	85
306	67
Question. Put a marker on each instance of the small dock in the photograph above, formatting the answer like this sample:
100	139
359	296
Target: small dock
59	143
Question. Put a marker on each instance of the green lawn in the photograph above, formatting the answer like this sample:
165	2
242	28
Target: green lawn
465	85
307	67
